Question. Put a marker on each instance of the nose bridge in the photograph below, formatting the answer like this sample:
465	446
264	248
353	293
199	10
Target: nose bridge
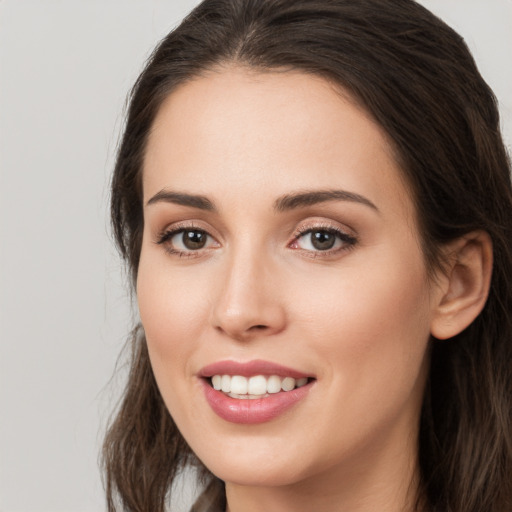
247	302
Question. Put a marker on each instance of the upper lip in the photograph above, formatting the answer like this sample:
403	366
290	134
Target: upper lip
250	368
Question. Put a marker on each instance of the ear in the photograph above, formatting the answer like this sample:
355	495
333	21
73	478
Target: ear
464	284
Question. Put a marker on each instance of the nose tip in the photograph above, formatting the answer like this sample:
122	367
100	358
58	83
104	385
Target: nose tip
244	325
248	305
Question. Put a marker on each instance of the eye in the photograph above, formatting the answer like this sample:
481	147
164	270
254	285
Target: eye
191	240
186	240
323	240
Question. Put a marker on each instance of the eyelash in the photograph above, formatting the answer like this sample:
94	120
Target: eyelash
165	237
348	241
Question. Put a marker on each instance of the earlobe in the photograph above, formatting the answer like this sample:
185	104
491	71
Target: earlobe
465	285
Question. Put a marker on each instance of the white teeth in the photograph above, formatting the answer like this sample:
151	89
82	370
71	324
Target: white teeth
274	384
288	384
257	386
301	382
239	385
217	382
225	383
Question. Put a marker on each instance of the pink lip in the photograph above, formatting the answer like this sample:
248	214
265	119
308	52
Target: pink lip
251	411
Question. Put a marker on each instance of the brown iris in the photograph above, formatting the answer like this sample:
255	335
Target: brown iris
194	240
322	240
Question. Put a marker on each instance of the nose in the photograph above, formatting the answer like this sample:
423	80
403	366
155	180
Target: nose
248	303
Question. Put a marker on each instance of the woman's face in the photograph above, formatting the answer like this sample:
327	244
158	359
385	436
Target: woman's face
281	243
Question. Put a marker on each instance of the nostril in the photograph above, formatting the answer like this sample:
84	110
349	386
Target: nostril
259	327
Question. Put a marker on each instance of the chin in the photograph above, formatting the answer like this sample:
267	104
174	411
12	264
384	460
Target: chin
248	475
258	463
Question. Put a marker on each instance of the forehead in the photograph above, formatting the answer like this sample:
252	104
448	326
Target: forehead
235	132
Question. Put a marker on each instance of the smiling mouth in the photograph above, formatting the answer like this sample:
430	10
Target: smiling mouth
253	392
255	387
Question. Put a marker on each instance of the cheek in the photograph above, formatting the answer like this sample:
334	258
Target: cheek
370	323
173	311
170	302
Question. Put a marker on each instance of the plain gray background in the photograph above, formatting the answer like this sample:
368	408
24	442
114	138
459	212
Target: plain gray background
65	69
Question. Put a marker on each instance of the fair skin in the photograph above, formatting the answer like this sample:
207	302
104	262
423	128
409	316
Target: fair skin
354	314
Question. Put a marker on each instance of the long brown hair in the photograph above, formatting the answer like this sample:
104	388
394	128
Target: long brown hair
417	79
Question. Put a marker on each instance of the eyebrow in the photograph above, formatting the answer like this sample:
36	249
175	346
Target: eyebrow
281	204
308	198
195	201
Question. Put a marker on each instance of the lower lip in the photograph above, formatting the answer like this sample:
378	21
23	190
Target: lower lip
252	411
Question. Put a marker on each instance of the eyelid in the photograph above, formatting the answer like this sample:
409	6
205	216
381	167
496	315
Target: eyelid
192	224
322	223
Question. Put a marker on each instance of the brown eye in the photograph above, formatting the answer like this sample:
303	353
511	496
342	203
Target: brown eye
322	240
194	239
187	241
326	240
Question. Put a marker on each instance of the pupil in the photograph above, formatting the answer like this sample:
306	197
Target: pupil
194	239
322	240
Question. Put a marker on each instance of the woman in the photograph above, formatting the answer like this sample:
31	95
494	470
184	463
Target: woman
314	201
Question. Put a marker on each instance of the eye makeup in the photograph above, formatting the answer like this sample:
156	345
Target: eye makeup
311	239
